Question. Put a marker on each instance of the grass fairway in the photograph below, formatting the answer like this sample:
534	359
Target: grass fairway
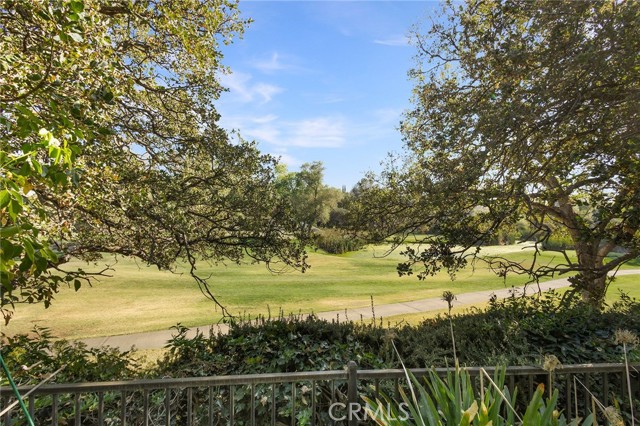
139	298
629	284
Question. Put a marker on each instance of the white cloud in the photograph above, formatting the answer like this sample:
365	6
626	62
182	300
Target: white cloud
265	119
394	41
332	99
287	159
270	65
388	115
317	132
262	133
243	90
266	91
278	62
321	132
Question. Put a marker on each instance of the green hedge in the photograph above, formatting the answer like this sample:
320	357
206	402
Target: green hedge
514	331
336	242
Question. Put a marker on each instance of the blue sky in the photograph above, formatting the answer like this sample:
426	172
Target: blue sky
323	81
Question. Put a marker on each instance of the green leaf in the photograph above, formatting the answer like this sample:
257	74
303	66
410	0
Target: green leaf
49	254
77	6
41	263
25	265
36	165
76	37
9	231
9	250
4	198
107	96
77	284
29	250
15	208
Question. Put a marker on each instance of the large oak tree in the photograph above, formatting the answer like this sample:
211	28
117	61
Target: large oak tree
523	110
110	144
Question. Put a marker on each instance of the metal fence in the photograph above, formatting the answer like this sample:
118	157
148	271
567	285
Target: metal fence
305	398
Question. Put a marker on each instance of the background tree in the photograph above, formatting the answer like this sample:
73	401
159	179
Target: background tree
523	110
312	201
110	144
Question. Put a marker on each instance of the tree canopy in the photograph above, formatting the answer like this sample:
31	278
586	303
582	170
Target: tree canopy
523	110
110	144
312	201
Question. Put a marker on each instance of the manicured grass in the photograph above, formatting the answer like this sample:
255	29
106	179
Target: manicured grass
629	284
139	298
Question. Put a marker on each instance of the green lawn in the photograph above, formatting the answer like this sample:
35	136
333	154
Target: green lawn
628	284
139	298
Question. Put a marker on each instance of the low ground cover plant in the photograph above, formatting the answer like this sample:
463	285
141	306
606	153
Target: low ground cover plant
514	331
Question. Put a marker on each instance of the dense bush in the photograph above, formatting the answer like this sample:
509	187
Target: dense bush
515	331
558	242
34	357
519	331
283	345
336	242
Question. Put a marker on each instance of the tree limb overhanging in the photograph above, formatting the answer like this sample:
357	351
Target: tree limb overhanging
110	143
525	115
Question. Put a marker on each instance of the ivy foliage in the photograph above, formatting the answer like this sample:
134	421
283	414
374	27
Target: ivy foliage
513	331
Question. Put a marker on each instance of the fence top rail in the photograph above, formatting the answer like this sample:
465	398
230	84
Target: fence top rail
512	371
173	383
276	378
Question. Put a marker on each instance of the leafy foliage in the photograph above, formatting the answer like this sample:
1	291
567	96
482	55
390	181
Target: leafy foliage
34	357
520	331
523	111
336	242
110	143
312	201
453	401
515	331
283	345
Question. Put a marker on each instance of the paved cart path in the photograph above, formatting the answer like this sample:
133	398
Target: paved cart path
157	339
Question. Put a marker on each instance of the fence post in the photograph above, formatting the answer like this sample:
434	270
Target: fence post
352	392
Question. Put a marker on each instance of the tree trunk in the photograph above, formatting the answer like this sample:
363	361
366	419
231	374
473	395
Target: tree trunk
592	280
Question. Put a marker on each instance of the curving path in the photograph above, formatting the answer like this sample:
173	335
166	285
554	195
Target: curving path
158	339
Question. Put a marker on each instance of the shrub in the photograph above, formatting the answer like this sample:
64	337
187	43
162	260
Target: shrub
336	242
42	355
558	241
520	331
453	401
285	344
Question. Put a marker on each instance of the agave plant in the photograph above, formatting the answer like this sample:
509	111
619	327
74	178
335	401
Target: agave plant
453	401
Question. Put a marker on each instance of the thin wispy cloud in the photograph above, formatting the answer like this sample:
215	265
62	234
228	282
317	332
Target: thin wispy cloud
265	118
276	62
287	159
332	99
393	41
266	91
388	115
264	134
242	89
322	132
315	132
